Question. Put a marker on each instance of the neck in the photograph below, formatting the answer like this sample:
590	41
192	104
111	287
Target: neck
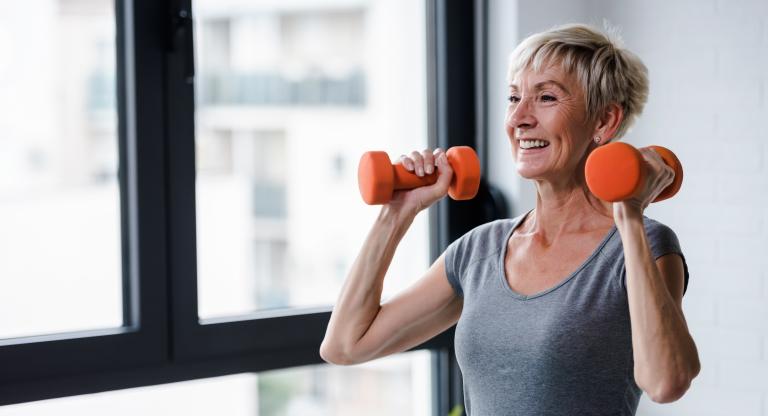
564	208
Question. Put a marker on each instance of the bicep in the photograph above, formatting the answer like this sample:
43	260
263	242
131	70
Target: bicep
413	316
672	272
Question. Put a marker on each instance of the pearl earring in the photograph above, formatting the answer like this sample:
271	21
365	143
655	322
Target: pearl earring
597	139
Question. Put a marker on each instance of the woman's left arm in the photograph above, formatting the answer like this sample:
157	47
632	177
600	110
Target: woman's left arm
666	358
665	355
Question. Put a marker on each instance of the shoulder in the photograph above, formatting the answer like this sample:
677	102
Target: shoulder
662	241
492	227
661	237
655	225
489	231
482	240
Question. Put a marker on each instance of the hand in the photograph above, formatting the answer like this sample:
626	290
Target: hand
658	176
423	163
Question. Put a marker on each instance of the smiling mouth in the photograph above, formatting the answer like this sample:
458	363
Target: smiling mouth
532	144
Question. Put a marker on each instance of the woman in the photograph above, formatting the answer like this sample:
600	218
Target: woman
572	308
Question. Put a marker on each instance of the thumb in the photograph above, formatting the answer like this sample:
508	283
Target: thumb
444	170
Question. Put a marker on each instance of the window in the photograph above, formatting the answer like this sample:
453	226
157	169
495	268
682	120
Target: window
60	209
394	385
288	98
183	176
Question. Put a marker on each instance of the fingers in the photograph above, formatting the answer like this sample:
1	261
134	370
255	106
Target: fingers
429	161
666	174
421	163
669	175
407	163
418	162
663	175
436	153
443	182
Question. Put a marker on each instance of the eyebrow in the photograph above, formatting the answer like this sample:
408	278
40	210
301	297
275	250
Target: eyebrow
542	84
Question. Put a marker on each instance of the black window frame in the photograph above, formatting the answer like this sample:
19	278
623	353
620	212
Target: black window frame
157	180
29	360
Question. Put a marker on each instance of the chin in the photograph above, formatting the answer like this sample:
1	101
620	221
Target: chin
530	173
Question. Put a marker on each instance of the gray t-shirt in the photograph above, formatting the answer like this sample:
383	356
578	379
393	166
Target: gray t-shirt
564	351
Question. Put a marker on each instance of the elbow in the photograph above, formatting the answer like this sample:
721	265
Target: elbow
331	356
670	390
672	387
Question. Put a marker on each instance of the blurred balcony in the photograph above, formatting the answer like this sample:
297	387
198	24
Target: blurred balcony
274	89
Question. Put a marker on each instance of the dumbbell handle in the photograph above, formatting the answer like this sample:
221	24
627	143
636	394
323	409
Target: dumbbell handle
405	179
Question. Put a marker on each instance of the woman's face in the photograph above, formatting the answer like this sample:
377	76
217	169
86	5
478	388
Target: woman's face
547	108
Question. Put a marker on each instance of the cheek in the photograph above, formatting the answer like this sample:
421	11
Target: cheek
557	119
563	125
510	128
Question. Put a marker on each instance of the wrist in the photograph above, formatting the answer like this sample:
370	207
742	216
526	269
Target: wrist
628	222
625	213
400	218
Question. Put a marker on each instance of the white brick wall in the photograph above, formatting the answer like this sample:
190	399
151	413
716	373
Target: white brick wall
708	64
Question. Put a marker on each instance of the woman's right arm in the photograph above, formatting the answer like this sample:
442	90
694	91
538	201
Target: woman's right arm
360	328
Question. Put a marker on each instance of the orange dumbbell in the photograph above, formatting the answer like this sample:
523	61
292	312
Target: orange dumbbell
615	172
378	178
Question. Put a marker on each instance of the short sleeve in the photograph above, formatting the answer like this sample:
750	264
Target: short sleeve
475	245
453	261
663	241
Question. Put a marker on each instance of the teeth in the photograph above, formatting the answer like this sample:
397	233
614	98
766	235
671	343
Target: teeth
527	144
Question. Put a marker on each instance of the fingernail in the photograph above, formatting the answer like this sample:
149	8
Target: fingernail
428	169
420	171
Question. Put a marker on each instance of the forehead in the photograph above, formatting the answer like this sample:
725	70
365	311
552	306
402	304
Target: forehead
528	78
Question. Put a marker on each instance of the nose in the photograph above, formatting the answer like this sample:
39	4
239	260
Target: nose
520	116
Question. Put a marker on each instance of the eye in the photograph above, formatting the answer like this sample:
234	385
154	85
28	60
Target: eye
547	97
513	99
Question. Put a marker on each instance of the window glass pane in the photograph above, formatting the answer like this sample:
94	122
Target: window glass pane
60	264
289	95
394	385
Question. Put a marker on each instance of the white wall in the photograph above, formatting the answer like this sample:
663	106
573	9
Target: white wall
708	67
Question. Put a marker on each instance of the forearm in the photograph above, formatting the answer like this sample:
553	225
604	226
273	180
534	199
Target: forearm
664	352
360	299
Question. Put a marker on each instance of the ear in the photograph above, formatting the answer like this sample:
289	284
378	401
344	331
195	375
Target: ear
608	122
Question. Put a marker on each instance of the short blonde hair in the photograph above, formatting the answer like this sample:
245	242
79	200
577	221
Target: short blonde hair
608	73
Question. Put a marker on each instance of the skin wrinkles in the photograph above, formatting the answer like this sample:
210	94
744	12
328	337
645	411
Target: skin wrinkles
561	121
549	105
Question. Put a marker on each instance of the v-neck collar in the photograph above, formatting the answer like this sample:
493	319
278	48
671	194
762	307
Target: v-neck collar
503	253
